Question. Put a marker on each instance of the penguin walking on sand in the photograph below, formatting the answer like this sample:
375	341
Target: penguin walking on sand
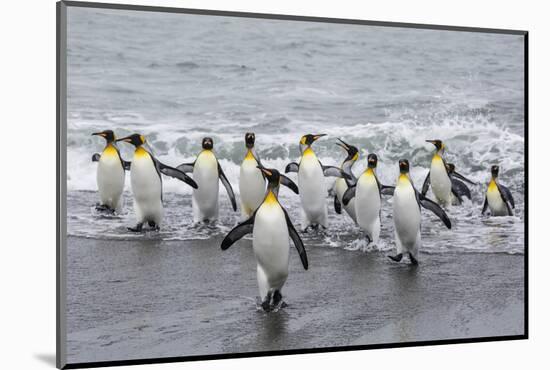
498	197
343	184
252	182
207	173
110	173
147	183
406	215
438	177
271	228
368	196
311	182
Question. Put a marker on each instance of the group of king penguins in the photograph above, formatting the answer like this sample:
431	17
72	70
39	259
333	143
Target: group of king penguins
266	219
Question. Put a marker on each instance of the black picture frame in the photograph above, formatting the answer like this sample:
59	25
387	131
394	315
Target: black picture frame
61	189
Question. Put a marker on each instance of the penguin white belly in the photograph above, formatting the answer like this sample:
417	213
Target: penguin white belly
252	187
440	181
110	178
205	198
406	217
271	247
494	199
147	188
311	182
367	203
340	189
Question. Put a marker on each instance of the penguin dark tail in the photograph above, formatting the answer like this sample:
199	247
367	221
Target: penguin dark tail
396	258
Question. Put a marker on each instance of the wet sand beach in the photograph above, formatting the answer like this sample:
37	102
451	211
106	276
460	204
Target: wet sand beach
152	298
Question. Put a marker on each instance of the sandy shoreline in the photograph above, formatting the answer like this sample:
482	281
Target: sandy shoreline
145	299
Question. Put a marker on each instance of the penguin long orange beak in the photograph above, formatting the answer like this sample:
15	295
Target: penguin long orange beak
103	134
431	141
315	137
342	144
265	171
126	139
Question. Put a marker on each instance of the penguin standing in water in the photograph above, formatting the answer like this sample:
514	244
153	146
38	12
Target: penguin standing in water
251	179
271	228
311	182
498	197
147	183
342	184
368	195
207	173
458	185
110	173
252	183
406	215
438	176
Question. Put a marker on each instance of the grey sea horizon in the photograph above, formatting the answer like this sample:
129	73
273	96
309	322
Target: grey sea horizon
177	78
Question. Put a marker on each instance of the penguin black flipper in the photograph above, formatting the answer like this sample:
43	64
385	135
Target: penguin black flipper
186	167
426	184
175	173
334	171
228	187
292	167
506	194
485	205
459	176
337	205
289	183
238	232
348	195
95	157
296	240
460	189
435	208
351	180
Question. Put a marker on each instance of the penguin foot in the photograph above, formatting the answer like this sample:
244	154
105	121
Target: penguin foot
104	208
153	225
137	229
266	304
414	261
396	258
277	298
369	240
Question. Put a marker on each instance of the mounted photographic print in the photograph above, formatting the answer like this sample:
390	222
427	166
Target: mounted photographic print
235	184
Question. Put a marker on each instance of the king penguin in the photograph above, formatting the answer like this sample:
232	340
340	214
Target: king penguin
110	173
271	228
498	197
311	183
438	176
406	215
207	173
147	183
252	183
343	184
368	195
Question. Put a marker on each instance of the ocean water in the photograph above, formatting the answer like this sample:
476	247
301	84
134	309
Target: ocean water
176	78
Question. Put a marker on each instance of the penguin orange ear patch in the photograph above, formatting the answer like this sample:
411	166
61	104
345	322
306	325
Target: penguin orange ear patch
142	139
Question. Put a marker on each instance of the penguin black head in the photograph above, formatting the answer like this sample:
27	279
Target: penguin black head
310	138
372	160
108	135
207	143
353	152
135	139
249	139
403	166
450	168
272	175
494	171
438	144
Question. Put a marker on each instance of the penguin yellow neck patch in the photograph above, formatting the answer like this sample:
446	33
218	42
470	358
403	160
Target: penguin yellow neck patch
493	186
271	198
308	152
140	152
437	157
249	155
109	150
403	179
